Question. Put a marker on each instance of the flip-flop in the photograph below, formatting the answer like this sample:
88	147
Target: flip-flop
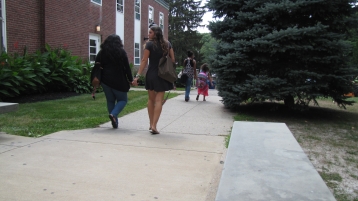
154	132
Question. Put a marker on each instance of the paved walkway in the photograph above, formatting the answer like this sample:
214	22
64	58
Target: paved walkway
183	163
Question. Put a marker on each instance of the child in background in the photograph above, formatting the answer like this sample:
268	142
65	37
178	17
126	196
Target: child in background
202	85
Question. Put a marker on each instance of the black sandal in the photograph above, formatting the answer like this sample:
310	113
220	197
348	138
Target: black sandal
113	120
154	132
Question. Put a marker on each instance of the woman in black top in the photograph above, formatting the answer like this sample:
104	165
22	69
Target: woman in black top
116	75
155	48
190	71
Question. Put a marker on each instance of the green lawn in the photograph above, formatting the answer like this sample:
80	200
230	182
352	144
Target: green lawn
79	112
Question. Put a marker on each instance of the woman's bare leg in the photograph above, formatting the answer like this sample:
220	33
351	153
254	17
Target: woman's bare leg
159	96
150	106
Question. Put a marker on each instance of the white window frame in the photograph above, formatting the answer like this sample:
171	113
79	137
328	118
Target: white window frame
137	5
98	44
150	14
96	2
136	53
120	5
161	21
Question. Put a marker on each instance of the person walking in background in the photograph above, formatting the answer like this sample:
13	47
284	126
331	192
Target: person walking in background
155	48
202	82
190	71
116	75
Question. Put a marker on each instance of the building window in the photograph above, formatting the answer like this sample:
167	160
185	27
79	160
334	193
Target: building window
151	15
161	21
120	6
94	46
136	54
137	9
99	2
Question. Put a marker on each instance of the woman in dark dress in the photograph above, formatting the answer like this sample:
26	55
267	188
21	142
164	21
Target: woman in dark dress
155	48
116	75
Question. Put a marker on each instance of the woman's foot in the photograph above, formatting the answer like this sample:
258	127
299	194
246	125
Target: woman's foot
150	129
154	131
197	97
114	120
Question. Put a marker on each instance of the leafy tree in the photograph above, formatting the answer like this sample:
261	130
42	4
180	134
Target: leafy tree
184	17
283	49
208	49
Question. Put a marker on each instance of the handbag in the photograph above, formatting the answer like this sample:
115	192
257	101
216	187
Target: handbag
96	77
166	69
184	77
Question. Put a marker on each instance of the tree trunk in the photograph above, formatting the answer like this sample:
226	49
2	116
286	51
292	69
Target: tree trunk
289	101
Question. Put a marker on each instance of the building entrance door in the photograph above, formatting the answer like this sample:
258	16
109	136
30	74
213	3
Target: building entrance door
94	46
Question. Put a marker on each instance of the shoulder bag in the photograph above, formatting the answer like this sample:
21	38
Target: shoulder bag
166	69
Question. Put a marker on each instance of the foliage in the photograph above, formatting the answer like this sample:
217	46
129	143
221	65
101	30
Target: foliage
141	80
208	50
281	50
184	17
50	71
353	38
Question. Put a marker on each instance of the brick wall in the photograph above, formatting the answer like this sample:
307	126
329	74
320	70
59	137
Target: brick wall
144	17
69	26
23	25
68	23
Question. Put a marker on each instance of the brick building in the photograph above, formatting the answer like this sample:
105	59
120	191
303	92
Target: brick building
79	26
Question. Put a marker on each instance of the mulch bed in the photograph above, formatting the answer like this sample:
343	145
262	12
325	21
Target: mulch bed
31	98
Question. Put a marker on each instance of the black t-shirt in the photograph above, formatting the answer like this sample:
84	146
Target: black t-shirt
115	74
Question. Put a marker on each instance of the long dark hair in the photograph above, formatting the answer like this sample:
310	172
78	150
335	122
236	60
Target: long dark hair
159	39
111	48
190	53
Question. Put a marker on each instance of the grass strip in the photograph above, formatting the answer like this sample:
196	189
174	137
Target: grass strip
78	112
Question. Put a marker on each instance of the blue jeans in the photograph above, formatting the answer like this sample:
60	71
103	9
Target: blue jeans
112	97
188	88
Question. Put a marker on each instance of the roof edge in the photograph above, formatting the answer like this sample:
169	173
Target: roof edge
163	3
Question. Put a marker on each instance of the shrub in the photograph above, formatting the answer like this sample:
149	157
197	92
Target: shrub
50	71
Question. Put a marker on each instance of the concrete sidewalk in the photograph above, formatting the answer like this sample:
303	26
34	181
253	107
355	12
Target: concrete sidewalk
183	163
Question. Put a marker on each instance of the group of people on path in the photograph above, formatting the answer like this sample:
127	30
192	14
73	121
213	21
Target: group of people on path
202	79
116	76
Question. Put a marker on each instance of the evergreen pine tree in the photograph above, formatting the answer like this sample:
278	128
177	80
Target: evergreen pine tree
283	49
184	17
